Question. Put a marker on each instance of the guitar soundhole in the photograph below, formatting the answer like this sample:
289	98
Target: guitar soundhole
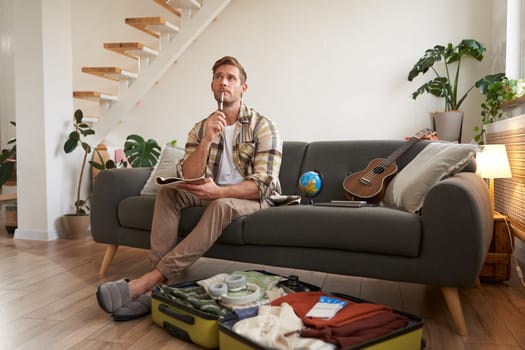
378	170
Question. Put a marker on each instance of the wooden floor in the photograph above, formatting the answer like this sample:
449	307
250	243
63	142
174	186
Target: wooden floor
47	301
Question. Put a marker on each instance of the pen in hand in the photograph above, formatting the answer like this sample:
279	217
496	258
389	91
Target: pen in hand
221	103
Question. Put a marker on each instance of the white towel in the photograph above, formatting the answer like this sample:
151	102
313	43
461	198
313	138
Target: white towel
278	327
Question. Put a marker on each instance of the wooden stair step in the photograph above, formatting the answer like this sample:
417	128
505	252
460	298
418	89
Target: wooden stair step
7	196
90	119
175	6
111	73
133	50
94	96
153	25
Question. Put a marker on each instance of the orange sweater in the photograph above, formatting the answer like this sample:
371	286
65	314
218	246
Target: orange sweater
302	302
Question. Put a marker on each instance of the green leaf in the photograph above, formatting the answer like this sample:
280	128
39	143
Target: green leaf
88	132
141	153
484	83
6	154
86	147
427	61
70	145
438	87
96	165
74	135
3	156
110	164
6	169
472	48
79	116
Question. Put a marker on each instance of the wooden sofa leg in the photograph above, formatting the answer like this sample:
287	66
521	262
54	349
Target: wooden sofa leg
111	249
454	307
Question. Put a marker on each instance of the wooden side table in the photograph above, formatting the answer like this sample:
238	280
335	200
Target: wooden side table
497	265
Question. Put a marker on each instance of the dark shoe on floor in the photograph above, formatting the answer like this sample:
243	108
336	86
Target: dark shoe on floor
111	296
137	308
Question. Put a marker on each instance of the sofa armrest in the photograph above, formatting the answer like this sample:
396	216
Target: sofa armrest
457	229
110	188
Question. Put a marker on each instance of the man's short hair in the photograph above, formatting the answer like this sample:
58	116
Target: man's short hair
232	61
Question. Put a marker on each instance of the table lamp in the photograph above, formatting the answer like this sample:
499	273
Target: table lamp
493	163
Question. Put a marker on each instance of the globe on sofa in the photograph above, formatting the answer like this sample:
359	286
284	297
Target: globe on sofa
442	244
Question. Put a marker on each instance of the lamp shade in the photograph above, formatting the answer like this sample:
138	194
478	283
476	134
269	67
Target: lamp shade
493	162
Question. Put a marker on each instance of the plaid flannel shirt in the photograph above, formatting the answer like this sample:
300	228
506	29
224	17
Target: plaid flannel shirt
257	150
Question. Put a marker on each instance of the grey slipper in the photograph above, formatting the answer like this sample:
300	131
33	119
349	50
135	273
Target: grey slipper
113	295
137	308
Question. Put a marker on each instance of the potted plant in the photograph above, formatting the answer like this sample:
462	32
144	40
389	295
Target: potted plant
76	223
445	83
497	89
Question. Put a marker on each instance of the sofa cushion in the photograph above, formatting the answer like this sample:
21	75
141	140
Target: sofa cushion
293	154
378	230
137	213
439	159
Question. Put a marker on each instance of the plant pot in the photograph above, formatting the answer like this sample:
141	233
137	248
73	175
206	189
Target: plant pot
76	226
448	125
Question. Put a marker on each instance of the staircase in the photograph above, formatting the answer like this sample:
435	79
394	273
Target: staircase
173	39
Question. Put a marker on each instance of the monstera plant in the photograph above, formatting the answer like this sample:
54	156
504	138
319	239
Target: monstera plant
445	84
446	62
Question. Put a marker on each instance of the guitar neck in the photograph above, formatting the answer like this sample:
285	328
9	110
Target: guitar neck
399	152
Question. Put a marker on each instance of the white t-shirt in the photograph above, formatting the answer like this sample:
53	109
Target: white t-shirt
228	173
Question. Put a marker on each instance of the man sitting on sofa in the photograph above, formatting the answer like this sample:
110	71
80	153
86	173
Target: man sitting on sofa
239	151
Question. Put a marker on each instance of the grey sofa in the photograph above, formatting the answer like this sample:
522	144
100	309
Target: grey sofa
445	244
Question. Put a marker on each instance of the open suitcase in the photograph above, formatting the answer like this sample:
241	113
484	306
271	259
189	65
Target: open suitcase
197	326
409	337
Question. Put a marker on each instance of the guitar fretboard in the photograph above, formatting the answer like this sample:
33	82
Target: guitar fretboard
399	152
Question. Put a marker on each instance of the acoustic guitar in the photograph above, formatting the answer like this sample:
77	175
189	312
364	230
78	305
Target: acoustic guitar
369	184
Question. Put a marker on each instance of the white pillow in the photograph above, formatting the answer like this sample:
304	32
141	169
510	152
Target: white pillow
408	188
166	166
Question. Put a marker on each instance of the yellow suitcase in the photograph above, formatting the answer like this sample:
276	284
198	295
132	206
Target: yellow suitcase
409	337
185	322
198	327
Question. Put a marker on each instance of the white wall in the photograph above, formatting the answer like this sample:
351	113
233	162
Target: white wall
321	70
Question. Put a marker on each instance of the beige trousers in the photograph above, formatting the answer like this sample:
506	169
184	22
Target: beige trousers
171	258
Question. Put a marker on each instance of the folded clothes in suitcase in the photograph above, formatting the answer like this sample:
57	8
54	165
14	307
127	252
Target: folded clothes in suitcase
191	310
357	325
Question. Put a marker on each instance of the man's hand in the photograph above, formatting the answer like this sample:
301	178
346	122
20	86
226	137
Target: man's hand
215	125
209	190
195	165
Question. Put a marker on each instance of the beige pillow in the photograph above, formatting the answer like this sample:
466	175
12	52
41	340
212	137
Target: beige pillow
408	188
166	166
